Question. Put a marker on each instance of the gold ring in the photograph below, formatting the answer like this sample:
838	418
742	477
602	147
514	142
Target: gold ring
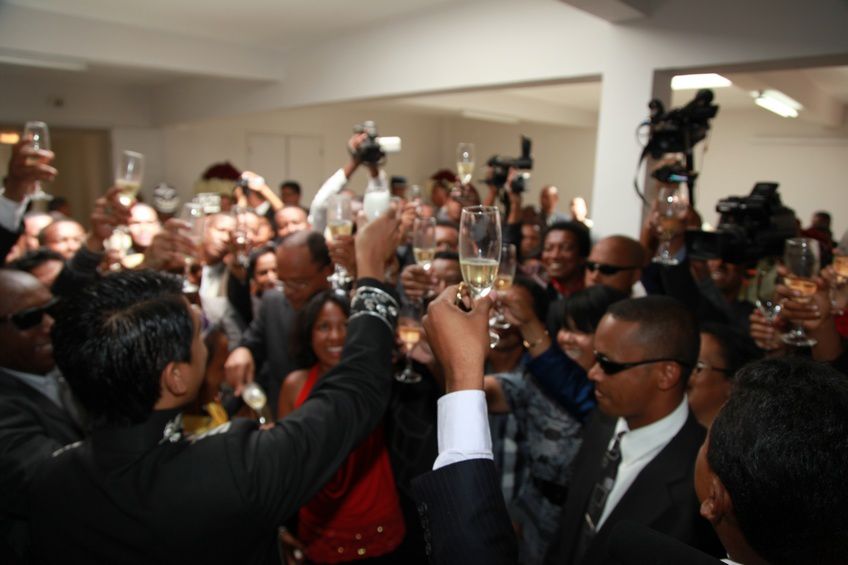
460	290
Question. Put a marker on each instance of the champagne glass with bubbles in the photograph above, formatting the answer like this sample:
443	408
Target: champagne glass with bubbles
801	258
409	332
193	215
339	223
39	137
480	251
465	162
424	241
506	273
128	176
672	204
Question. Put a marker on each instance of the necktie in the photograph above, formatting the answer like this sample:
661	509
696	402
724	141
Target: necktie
598	498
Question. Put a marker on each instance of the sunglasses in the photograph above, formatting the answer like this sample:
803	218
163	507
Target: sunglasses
31	317
611	367
606	269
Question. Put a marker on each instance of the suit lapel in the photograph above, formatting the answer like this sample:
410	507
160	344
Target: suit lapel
586	469
649	497
48	409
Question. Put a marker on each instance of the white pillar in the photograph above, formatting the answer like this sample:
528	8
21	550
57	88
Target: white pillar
627	87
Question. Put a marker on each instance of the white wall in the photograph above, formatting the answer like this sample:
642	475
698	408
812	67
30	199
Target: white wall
564	156
82	105
809	162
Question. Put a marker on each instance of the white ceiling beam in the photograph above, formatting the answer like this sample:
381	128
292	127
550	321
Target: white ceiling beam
614	11
509	106
43	34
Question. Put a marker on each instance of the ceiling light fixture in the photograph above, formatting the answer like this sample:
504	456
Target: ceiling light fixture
9	137
694	82
777	102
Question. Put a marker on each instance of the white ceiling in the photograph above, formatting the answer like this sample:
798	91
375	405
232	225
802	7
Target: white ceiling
264	29
276	24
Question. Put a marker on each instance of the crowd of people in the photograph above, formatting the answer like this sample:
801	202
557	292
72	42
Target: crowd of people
132	348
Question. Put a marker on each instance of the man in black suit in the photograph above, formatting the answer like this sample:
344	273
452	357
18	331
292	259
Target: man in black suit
638	453
137	491
646	348
303	265
34	420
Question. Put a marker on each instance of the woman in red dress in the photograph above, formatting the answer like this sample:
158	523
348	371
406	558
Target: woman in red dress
357	515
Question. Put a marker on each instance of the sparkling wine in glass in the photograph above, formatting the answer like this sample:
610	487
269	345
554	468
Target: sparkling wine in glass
424	241
480	251
503	282
409	332
339	223
241	235
839	286
801	258
193	215
465	162
128	176
672	204
257	400
39	137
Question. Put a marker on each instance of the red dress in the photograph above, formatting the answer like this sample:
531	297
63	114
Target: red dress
357	514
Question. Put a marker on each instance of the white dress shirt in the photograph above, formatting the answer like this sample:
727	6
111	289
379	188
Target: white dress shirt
638	448
463	428
48	384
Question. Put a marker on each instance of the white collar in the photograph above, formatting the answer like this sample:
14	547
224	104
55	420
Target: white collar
48	384
643	441
262	209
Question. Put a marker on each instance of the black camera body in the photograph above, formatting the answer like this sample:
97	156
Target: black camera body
750	228
501	165
374	148
678	130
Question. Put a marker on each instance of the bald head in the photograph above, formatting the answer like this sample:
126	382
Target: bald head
24	346
63	236
621	257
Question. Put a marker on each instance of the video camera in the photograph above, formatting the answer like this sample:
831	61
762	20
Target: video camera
750	228
501	165
373	150
678	130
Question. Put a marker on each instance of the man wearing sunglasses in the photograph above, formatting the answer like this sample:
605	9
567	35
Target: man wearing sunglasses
638	453
616	261
35	404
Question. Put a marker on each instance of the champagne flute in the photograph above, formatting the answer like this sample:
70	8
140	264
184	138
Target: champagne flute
409	331
671	206
424	241
480	251
128	176
465	162
506	273
192	215
801	258
839	285
339	223
39	136
254	396
240	237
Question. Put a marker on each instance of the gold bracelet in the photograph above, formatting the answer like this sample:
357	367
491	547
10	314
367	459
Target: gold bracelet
528	345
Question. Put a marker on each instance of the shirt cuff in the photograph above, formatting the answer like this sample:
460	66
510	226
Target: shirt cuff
12	213
463	428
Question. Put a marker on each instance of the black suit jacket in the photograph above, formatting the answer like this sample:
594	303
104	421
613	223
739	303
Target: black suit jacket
269	339
144	495
464	515
32	427
662	496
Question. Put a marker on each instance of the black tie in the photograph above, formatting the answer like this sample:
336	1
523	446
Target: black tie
598	498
